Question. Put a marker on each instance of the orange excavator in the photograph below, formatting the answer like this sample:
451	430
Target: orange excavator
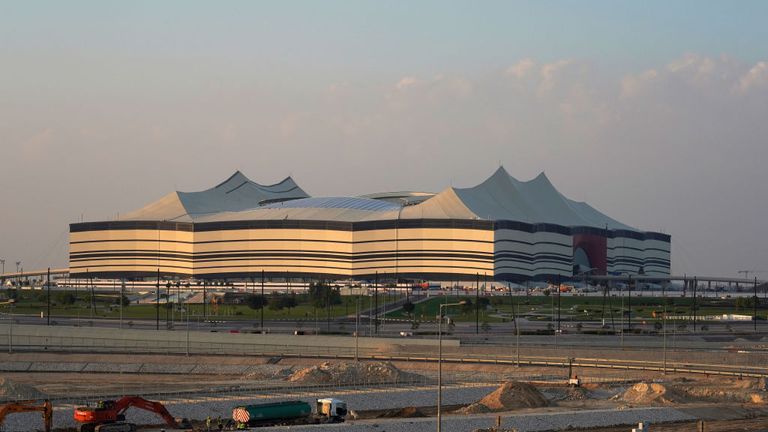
109	415
28	406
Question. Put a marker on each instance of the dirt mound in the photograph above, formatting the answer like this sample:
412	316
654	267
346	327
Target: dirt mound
353	372
407	412
268	372
509	396
10	390
576	393
652	393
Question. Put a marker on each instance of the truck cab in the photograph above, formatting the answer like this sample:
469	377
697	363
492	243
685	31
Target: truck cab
333	409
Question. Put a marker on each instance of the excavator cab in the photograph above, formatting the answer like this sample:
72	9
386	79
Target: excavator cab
109	415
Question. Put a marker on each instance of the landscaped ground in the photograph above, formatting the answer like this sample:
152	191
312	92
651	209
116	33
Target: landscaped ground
106	306
578	308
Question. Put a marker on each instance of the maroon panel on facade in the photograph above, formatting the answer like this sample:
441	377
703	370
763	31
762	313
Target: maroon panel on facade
596	247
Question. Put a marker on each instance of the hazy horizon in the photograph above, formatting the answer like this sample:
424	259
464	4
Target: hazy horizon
653	113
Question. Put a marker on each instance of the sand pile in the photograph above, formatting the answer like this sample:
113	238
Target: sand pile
268	372
511	395
407	412
652	393
576	393
353	372
10	390
747	390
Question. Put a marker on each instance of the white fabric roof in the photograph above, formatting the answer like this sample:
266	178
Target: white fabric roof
236	193
500	197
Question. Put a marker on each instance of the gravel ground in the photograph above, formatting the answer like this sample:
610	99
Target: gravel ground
199	409
524	422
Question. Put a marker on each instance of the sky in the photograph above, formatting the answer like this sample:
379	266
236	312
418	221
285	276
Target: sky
654	112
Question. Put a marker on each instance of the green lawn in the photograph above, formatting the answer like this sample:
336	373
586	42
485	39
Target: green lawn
106	307
574	307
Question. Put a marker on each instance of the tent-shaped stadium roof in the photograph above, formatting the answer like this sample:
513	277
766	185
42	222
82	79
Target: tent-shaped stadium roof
500	197
234	194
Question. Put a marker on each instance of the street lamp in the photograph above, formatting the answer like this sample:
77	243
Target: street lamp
440	360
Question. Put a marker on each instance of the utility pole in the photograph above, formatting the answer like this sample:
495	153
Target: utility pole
754	307
558	302
157	301
629	303
357	328
122	290
695	287
477	303
664	330
376	302
205	301
263	300
48	286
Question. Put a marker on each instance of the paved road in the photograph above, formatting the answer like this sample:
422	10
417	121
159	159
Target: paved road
500	333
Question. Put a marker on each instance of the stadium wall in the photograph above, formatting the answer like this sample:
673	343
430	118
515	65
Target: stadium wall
439	249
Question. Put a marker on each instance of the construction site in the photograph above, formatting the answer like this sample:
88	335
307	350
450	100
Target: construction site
88	379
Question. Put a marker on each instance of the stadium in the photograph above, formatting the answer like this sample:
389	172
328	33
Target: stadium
503	228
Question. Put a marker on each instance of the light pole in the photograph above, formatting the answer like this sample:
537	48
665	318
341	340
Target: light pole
357	327
440	360
122	293
263	300
10	326
48	299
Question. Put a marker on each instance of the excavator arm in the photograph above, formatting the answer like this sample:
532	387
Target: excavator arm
126	402
26	406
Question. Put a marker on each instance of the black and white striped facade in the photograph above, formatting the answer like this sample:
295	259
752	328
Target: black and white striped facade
283	232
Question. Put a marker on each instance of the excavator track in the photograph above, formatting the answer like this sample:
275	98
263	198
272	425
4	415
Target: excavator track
116	427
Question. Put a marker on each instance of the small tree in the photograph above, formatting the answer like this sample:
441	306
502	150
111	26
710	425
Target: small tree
408	307
255	301
290	302
65	298
276	303
467	307
322	295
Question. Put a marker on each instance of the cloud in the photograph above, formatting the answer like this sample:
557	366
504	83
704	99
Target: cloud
521	69
406	82
647	146
550	73
755	78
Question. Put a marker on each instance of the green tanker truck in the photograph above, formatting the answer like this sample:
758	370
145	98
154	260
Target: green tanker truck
328	410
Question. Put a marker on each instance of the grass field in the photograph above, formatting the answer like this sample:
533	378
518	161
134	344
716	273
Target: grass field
106	306
579	308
